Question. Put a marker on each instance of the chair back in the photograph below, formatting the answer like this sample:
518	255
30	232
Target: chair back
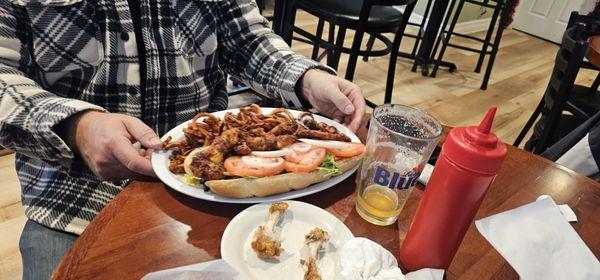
569	60
591	23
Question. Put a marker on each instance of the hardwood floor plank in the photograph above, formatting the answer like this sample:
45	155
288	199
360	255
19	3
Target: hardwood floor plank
10	192
10	258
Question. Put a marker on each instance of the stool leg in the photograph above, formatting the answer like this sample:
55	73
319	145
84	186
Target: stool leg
421	29
288	27
447	38
338	45
370	44
529	123
488	37
358	36
315	51
495	46
331	40
595	84
438	40
389	85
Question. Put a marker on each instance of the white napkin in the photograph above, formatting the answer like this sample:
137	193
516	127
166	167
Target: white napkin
363	259
211	270
425	174
539	243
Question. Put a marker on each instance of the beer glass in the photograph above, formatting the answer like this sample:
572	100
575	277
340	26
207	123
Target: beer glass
400	141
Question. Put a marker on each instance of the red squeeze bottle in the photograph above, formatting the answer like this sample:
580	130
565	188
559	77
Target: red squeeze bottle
467	165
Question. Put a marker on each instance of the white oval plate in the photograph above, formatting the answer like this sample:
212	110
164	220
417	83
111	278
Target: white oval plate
298	220
160	163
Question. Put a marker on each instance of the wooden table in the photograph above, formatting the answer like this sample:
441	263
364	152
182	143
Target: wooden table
149	227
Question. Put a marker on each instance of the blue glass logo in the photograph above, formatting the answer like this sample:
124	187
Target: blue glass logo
394	180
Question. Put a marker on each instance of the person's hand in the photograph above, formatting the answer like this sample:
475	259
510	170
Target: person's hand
105	142
334	97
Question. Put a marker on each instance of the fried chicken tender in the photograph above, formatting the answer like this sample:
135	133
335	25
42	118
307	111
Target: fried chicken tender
227	140
322	135
268	142
285	140
208	163
314	240
265	243
208	170
284	128
242	149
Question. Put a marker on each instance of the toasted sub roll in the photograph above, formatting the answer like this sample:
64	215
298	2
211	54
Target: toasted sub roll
266	186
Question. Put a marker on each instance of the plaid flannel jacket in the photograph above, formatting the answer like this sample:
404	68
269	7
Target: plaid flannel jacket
60	57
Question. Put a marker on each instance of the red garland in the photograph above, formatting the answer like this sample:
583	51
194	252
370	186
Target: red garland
596	11
511	14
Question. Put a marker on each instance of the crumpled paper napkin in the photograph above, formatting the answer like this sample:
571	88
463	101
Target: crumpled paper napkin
537	240
363	259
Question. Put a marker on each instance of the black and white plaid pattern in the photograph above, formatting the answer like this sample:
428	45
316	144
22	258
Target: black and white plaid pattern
60	57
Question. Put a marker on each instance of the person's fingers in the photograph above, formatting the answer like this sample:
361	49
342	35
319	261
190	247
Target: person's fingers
142	133
359	104
347	120
113	170
131	159
342	102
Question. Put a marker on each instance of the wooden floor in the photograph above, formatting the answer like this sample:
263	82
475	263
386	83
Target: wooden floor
520	75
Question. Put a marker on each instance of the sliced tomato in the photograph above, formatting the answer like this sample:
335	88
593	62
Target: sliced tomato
308	162
236	166
299	151
353	149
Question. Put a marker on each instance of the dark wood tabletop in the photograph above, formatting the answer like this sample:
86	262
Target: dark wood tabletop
149	227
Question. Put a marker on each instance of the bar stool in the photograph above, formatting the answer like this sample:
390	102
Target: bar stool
418	36
562	94
373	17
500	10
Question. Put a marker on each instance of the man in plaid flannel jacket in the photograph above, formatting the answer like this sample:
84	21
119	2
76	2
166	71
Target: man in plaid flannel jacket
81	80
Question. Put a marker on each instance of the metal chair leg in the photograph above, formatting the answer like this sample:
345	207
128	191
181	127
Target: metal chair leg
421	29
496	44
596	83
370	44
370	103
438	40
331	40
358	36
389	85
316	44
488	36
336	53
288	27
446	39
529	123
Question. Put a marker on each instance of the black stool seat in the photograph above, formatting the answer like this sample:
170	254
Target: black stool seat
347	13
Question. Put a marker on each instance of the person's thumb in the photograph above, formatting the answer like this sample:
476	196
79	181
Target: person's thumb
142	133
342	102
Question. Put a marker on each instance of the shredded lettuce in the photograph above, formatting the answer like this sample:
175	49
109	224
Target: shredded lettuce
329	165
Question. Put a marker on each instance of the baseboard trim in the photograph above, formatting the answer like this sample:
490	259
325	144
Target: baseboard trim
467	27
473	26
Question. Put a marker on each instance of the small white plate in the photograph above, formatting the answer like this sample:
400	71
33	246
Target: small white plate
299	219
160	163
